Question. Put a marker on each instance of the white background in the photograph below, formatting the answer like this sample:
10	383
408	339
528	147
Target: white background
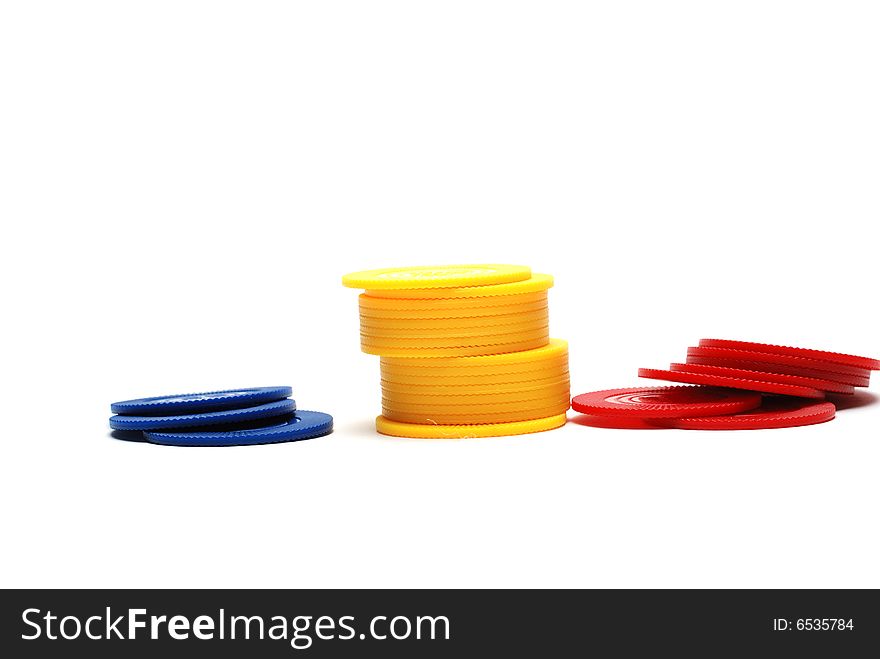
182	185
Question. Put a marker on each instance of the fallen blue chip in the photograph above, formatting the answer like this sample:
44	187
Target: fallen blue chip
277	408
203	402
303	425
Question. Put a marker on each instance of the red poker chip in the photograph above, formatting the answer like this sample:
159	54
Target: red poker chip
616	422
665	402
734	383
807	353
782	369
775	412
771	358
765	376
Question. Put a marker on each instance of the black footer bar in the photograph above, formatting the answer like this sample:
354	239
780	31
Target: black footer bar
427	623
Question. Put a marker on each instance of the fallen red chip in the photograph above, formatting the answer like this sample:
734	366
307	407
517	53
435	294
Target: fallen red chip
775	412
665	402
766	376
783	369
807	353
770	358
616	422
734	383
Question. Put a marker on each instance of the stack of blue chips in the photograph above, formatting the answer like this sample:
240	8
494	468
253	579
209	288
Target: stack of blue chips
235	417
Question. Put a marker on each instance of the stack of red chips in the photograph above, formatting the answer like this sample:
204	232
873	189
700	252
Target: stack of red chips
739	386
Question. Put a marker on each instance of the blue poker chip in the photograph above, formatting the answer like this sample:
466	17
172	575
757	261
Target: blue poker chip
276	408
303	425
203	402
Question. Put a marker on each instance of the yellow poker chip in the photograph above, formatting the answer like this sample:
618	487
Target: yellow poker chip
500	376
475	386
534	284
370	304
470	316
442	387
416	431
492	379
455	326
410	402
500	409
486	314
476	336
455	332
515	407
555	348
486	345
470	339
533	389
469	419
437	419
452	419
430	371
515	410
442	276
516	391
460	351
434	324
491	372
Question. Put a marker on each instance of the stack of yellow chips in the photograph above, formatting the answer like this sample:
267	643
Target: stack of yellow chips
465	350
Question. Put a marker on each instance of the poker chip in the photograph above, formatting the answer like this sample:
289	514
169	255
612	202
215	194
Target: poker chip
813	383
201	402
456	341
372	305
487	381
819	355
302	425
782	369
785	360
457	326
488	375
479	368
473	353
536	283
511	408
464	368
474	415
463	395
388	330
665	402
499	403
456	346
461	400
555	350
449	276
484	336
733	383
266	410
459	351
464	431
471	317
499	371
470	419
775	412
443	388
